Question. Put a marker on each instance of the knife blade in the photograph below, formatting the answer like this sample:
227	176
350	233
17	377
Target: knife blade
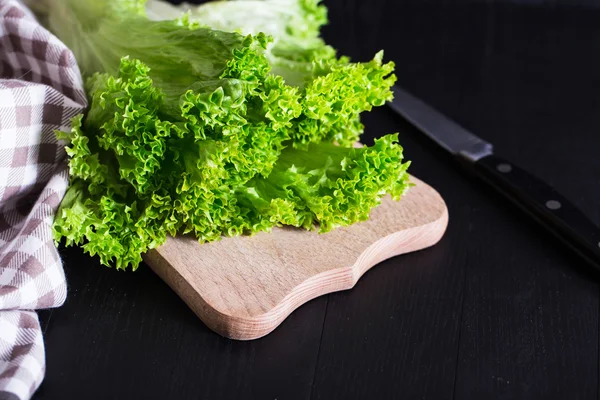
538	199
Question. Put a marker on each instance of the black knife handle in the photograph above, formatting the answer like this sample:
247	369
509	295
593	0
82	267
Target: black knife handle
545	204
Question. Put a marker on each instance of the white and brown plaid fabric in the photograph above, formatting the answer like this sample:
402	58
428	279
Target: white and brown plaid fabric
40	90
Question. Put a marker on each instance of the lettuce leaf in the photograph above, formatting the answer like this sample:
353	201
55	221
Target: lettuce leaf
336	91
294	24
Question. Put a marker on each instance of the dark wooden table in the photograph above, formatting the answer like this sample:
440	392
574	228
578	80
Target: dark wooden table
497	309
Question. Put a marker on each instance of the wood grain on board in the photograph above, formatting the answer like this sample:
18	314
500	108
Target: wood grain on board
244	287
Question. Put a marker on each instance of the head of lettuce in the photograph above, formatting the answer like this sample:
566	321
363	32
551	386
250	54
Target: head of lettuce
195	130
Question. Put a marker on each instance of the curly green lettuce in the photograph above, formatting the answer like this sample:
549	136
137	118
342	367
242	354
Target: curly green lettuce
191	131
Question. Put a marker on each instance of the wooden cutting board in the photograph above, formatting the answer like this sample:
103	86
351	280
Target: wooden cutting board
244	287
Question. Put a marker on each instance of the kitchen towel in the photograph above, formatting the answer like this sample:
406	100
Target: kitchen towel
40	90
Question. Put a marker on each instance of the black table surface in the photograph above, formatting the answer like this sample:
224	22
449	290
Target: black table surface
497	309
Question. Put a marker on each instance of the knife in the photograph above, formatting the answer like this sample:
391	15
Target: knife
538	199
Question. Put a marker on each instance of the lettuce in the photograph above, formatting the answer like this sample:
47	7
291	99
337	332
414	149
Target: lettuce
336	91
294	25
191	130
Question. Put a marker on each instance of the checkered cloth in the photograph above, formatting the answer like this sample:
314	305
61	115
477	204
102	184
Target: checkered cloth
40	90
